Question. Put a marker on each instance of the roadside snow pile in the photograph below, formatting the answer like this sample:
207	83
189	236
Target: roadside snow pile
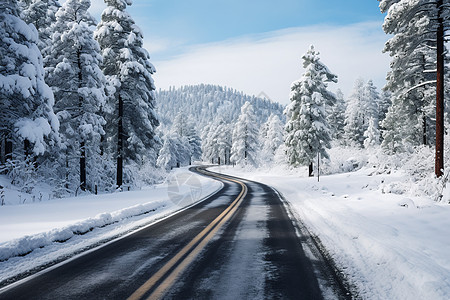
26	244
417	167
36	225
388	243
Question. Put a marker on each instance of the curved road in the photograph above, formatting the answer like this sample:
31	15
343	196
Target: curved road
238	244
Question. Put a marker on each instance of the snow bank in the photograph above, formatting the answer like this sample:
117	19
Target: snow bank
388	245
37	225
26	244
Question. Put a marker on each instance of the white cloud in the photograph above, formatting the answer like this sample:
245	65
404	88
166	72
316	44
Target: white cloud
272	61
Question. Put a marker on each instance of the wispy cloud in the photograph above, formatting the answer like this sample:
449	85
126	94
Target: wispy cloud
271	62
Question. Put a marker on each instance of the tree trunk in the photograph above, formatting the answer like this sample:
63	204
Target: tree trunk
6	149
439	160
120	144
2	150
311	170
27	148
67	170
102	147
102	137
83	167
82	143
424	130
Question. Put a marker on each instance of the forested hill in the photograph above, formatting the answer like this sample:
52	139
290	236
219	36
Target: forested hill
204	103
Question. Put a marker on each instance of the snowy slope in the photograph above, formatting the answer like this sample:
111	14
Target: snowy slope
388	246
204	103
40	233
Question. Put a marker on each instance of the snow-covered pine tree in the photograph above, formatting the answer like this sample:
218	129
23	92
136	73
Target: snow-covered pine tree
79	86
336	116
42	14
184	128
195	142
175	151
244	149
167	154
383	105
127	66
372	134
354	116
362	106
272	139
307	130
180	124
27	119
371	103
216	146
413	26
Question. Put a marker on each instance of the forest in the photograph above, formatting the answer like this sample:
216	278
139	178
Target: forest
81	113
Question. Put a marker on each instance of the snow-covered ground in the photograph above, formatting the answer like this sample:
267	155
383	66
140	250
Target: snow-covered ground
40	233
389	246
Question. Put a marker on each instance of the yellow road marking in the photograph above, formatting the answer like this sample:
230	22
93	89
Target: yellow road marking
202	239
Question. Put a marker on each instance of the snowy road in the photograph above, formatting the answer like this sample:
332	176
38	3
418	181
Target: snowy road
238	244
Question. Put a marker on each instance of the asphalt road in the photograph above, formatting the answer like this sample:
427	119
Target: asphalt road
238	244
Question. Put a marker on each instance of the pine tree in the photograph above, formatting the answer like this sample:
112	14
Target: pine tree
383	105
412	78
184	129
362	107
336	116
273	137
175	152
79	86
128	69
27	120
354	115
216	145
372	134
307	130
245	138
195	142
42	14
371	103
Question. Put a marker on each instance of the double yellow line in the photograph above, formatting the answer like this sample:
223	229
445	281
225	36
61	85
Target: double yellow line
162	280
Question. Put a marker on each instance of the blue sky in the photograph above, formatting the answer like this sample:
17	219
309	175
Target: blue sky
227	42
200	21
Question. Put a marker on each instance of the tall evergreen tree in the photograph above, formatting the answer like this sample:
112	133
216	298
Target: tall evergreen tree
371	103
383	105
184	128
354	115
216	146
79	86
412	78
175	151
307	128
362	106
128	69
27	119
195	142
372	134
245	138
272	139
336	116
